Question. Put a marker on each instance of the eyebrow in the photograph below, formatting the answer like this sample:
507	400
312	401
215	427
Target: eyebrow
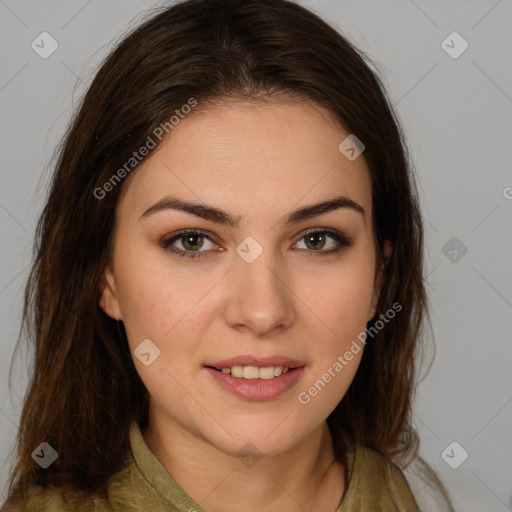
219	216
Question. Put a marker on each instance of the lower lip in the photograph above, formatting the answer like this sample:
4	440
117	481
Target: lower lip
257	389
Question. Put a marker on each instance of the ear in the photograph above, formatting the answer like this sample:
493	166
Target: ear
379	278
109	301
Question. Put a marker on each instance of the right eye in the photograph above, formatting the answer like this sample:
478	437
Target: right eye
188	240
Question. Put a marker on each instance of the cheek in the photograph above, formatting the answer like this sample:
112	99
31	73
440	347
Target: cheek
146	298
162	299
341	307
341	297
161	303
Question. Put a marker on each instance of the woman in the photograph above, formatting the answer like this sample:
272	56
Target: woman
227	295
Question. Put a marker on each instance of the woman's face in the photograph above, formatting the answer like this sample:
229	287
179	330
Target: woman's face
260	285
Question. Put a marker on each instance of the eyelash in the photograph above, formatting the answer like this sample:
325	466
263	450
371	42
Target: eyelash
166	244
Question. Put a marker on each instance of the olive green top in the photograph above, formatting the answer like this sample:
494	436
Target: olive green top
375	484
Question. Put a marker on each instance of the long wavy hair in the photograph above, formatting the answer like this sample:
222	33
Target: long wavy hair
84	390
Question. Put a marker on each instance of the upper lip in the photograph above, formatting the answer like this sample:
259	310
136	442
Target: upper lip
260	362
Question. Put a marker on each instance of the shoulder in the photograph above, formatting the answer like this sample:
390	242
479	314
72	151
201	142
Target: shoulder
38	499
59	499
53	499
378	463
377	483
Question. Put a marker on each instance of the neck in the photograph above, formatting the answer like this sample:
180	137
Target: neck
305	477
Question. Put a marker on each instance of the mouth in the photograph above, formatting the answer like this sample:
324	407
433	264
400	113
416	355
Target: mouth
250	367
256	379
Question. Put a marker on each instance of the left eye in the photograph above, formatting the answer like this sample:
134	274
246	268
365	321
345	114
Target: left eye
319	237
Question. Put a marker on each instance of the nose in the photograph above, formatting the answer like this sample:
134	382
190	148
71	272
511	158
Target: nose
260	299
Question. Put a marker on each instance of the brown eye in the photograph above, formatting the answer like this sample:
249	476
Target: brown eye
191	242
316	241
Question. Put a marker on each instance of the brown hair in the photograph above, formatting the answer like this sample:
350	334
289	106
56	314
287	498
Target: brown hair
85	391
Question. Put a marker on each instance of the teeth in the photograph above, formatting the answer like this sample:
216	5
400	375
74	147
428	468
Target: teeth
254	372
265	373
237	371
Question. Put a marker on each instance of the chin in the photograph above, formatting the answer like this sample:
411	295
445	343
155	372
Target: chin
264	442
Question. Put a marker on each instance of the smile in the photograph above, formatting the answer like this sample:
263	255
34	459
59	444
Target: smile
254	372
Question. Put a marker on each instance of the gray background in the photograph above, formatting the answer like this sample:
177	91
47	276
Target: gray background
457	117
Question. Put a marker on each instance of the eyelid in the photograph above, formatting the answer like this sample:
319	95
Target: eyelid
168	240
332	231
192	231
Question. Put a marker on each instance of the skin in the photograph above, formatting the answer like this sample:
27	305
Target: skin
259	160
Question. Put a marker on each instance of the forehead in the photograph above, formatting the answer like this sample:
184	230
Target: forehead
250	157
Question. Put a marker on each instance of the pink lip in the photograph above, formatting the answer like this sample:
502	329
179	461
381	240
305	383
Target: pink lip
260	362
256	389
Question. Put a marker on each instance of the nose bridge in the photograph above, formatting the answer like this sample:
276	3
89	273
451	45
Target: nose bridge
261	299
